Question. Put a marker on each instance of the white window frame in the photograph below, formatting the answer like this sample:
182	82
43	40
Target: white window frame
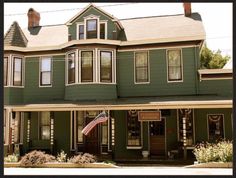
167	65
103	22
12	70
51	71
77	30
208	124
8	72
148	63
92	17
66	67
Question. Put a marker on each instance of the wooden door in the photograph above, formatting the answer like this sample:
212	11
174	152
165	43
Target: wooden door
91	140
157	137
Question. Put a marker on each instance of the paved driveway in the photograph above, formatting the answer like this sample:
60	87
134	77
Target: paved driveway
119	171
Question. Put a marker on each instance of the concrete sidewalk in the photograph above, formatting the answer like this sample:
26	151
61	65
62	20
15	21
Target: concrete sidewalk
119	171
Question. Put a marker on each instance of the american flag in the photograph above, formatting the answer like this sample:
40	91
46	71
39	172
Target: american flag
99	119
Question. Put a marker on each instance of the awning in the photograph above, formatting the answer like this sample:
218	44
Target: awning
143	103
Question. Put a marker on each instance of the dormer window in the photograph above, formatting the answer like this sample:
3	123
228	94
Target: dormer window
91	29
81	32
102	30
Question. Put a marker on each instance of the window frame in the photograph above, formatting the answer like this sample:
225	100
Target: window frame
7	71
97	31
40	71
105	29
148	67
100	66
41	126
223	126
94	70
75	68
13	71
181	62
78	31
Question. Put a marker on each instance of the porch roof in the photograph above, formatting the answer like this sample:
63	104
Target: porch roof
170	102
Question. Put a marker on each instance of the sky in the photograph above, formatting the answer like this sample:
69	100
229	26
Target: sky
217	17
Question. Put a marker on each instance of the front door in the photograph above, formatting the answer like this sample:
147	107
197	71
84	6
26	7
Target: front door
157	137
91	140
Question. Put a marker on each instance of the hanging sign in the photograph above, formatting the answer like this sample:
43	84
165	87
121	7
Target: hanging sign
149	115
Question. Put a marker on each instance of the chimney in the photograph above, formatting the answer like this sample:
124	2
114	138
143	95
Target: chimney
187	9
33	18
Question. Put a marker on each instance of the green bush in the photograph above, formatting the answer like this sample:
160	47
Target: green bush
61	157
210	152
11	158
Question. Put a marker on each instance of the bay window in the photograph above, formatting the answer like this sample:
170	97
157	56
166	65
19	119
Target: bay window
45	71
91	29
106	66
86	66
141	67
5	70
174	65
17	71
45	126
71	68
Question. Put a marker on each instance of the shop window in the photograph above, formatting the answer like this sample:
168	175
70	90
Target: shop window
45	126
133	129
17	127
215	127
80	122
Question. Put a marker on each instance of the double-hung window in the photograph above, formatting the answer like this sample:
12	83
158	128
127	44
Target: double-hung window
174	65
45	126
71	68
81	32
45	71
106	66
17	71
102	30
86	66
141	67
91	29
5	70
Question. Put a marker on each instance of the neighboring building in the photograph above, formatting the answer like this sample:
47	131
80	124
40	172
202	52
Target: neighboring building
144	72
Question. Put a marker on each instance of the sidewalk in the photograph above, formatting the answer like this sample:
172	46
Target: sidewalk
119	171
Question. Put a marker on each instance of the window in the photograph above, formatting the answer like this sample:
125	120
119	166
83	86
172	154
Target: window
17	71
81	32
17	127
45	71
71	68
91	28
106	66
141	67
174	65
215	127
102	30
133	129
87	66
45	126
4	126
80	121
5	70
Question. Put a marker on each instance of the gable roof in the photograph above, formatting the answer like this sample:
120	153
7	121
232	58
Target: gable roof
15	36
164	28
100	10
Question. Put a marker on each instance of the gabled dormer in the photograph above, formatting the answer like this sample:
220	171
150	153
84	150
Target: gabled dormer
93	23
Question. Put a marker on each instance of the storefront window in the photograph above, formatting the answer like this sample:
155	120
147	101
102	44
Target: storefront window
45	126
215	127
80	121
133	129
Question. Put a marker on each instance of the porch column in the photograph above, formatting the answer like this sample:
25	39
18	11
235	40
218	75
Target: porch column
52	130
12	131
184	136
28	129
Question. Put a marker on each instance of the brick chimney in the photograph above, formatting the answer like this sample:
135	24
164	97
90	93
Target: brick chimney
33	18
187	9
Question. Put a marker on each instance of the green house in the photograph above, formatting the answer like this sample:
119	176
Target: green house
143	72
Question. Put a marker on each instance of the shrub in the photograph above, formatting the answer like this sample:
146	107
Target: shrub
61	157
81	159
36	158
209	152
11	158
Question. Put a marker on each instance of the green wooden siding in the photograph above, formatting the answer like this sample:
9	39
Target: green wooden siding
13	95
90	92
158	85
201	132
110	25
32	91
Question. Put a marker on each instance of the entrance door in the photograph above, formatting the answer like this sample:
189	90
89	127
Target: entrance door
157	137
91	140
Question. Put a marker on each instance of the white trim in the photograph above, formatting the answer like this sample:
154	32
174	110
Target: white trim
103	22
148	63
134	147
12	70
208	124
77	30
92	17
182	66
8	71
66	67
228	78
51	72
42	55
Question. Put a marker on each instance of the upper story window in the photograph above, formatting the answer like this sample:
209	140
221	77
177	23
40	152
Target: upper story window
5	70
81	32
91	28
141	67
102	30
71	68
106	66
45	71
17	71
86	66
175	66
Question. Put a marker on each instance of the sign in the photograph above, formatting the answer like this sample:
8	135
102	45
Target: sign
149	116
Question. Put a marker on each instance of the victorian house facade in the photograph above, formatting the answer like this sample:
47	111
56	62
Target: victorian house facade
143	72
